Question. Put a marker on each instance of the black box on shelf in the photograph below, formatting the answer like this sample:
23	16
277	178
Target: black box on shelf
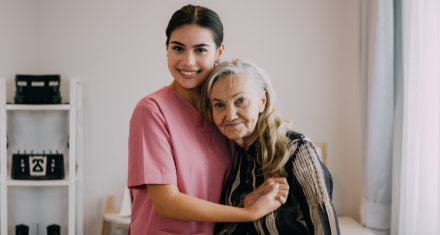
21	229
37	166
37	89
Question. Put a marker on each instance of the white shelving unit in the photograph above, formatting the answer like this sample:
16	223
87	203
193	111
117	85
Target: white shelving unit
39	203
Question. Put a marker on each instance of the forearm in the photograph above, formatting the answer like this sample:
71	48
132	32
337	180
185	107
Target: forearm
185	207
171	203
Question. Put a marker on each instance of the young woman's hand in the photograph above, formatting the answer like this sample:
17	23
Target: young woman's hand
263	203
283	191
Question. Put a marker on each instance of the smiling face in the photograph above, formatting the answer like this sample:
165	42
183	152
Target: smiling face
191	55
236	105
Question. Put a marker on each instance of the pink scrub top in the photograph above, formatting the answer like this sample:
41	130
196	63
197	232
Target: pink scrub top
171	143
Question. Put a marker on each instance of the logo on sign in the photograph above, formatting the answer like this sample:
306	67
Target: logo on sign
37	165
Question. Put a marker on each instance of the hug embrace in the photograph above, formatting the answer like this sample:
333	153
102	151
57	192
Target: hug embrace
209	153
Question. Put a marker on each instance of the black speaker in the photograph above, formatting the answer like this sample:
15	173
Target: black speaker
21	229
53	229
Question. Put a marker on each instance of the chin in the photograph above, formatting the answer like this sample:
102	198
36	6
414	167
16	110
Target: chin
235	138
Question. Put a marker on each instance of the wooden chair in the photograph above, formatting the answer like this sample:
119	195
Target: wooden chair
347	225
112	216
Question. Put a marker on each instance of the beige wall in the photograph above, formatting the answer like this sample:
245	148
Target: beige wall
310	49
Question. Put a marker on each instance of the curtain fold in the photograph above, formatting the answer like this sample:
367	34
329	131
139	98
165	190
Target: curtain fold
377	107
416	197
400	103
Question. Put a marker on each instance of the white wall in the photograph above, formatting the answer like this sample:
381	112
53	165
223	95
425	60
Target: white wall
310	49
17	31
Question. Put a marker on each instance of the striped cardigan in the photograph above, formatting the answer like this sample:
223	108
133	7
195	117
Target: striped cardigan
308	209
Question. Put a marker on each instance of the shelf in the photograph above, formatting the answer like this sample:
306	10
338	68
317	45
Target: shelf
42	126
38	183
41	107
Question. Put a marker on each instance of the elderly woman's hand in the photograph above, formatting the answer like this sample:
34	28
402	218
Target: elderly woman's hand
283	191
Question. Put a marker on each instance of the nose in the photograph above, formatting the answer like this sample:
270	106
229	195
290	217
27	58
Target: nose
231	113
188	58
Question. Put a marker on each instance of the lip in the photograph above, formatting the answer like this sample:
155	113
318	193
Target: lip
189	73
232	124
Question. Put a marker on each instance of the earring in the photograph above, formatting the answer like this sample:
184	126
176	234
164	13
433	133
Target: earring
216	62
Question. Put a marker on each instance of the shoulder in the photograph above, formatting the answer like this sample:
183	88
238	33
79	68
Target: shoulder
163	98
157	98
303	151
297	140
151	105
307	168
294	135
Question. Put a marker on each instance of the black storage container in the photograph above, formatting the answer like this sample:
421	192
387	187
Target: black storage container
37	89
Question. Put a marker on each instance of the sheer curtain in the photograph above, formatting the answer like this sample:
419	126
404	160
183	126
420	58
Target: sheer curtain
416	195
377	87
400	93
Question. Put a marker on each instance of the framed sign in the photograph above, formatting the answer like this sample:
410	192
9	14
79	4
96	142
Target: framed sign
37	166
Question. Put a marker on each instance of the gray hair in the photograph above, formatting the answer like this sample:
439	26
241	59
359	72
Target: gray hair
272	143
238	66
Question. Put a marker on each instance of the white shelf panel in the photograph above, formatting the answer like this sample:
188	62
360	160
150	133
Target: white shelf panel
22	123
38	183
41	107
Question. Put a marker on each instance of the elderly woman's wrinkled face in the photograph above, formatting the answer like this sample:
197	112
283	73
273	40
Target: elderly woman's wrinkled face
236	105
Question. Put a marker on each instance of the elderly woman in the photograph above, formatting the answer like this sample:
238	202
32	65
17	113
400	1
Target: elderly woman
239	98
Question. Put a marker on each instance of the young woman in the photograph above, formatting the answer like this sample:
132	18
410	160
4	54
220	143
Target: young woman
178	160
239	98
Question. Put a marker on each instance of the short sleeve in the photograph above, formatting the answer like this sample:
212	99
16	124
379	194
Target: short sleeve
150	154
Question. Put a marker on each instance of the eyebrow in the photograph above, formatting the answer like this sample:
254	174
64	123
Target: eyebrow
195	46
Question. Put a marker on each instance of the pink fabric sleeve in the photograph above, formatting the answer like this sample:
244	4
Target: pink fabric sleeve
150	159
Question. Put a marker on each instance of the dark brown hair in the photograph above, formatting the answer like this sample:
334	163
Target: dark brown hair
198	15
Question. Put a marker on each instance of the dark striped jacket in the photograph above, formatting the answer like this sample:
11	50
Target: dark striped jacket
308	209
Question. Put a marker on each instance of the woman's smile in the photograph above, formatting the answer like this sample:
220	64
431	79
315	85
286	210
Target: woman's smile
233	125
189	73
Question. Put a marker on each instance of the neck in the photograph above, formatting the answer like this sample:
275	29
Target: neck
193	96
242	144
245	143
